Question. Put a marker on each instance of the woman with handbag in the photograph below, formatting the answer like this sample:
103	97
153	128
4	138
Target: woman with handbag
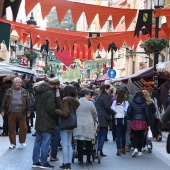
85	131
152	111
67	124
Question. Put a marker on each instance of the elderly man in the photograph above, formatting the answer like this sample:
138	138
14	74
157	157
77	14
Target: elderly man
16	105
46	122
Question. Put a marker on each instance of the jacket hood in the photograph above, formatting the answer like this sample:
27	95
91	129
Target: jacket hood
139	100
73	102
42	88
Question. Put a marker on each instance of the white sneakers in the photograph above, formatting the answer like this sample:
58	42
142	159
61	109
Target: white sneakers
149	149
140	153
23	145
135	152
12	146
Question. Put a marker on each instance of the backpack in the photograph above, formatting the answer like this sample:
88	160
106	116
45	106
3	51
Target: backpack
119	109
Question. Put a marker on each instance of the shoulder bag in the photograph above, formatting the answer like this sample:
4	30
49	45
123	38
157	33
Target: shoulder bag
70	122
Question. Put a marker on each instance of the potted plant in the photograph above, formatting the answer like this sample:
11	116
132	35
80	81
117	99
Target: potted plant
155	44
31	55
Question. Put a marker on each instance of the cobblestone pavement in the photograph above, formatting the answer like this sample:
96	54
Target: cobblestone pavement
21	159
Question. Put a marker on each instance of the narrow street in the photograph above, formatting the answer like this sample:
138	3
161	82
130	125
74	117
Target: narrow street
21	159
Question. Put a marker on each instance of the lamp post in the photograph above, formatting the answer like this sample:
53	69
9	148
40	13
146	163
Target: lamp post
157	4
32	23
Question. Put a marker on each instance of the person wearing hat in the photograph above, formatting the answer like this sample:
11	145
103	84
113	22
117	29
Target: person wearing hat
46	121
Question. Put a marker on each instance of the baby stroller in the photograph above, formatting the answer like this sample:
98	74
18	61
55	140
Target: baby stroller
95	152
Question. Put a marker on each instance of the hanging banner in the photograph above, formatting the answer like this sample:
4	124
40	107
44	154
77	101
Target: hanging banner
23	60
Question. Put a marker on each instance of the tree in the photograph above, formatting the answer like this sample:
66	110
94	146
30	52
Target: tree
66	24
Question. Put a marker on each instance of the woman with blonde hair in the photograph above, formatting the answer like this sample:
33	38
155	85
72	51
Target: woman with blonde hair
152	111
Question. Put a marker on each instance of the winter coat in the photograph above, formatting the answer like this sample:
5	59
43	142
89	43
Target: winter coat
168	100
7	101
103	109
152	111
69	103
45	105
166	118
138	109
86	116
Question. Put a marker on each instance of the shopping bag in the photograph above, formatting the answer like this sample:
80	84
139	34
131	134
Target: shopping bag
149	136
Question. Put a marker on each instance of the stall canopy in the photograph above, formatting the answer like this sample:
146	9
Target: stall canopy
5	72
103	78
146	74
16	68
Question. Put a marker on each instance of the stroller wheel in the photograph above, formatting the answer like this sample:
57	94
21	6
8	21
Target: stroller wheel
98	156
73	156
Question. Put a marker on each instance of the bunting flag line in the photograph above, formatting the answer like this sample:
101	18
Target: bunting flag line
5	30
14	4
144	19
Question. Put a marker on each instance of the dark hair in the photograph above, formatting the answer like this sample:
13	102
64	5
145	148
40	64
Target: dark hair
104	87
84	91
92	93
8	82
121	96
69	91
155	94
139	93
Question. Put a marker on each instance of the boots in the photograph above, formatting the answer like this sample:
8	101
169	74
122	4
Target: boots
102	154
118	152
123	151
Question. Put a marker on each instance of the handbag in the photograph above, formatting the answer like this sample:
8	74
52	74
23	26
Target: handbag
168	144
70	122
149	136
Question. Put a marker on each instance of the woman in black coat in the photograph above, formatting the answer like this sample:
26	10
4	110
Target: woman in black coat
139	114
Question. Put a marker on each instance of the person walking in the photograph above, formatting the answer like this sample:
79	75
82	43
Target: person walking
104	111
5	87
70	102
16	105
85	131
152	111
158	115
45	124
139	114
120	106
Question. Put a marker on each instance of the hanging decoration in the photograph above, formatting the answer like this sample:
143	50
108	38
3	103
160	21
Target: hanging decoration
72	66
64	69
62	6
81	68
144	19
14	4
104	67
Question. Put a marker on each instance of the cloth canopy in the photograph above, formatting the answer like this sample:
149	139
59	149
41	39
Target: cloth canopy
102	78
5	72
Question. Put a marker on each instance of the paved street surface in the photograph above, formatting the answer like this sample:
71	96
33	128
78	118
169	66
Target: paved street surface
21	159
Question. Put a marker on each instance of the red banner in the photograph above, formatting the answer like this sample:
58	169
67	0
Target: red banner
23	60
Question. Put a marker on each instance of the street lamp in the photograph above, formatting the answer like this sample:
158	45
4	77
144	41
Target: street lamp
31	22
157	4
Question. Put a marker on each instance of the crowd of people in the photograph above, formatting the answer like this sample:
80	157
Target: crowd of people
97	111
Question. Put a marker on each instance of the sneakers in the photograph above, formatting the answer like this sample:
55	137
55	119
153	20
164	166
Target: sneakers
63	167
54	158
35	165
23	145
135	152
12	146
149	149
140	153
46	166
69	166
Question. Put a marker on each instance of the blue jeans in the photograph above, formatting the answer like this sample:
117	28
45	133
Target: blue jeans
41	145
121	133
66	138
55	141
101	137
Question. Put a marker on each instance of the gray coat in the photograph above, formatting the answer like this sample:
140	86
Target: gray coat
86	116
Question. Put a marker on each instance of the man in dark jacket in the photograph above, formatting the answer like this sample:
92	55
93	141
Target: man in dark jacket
45	122
6	86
